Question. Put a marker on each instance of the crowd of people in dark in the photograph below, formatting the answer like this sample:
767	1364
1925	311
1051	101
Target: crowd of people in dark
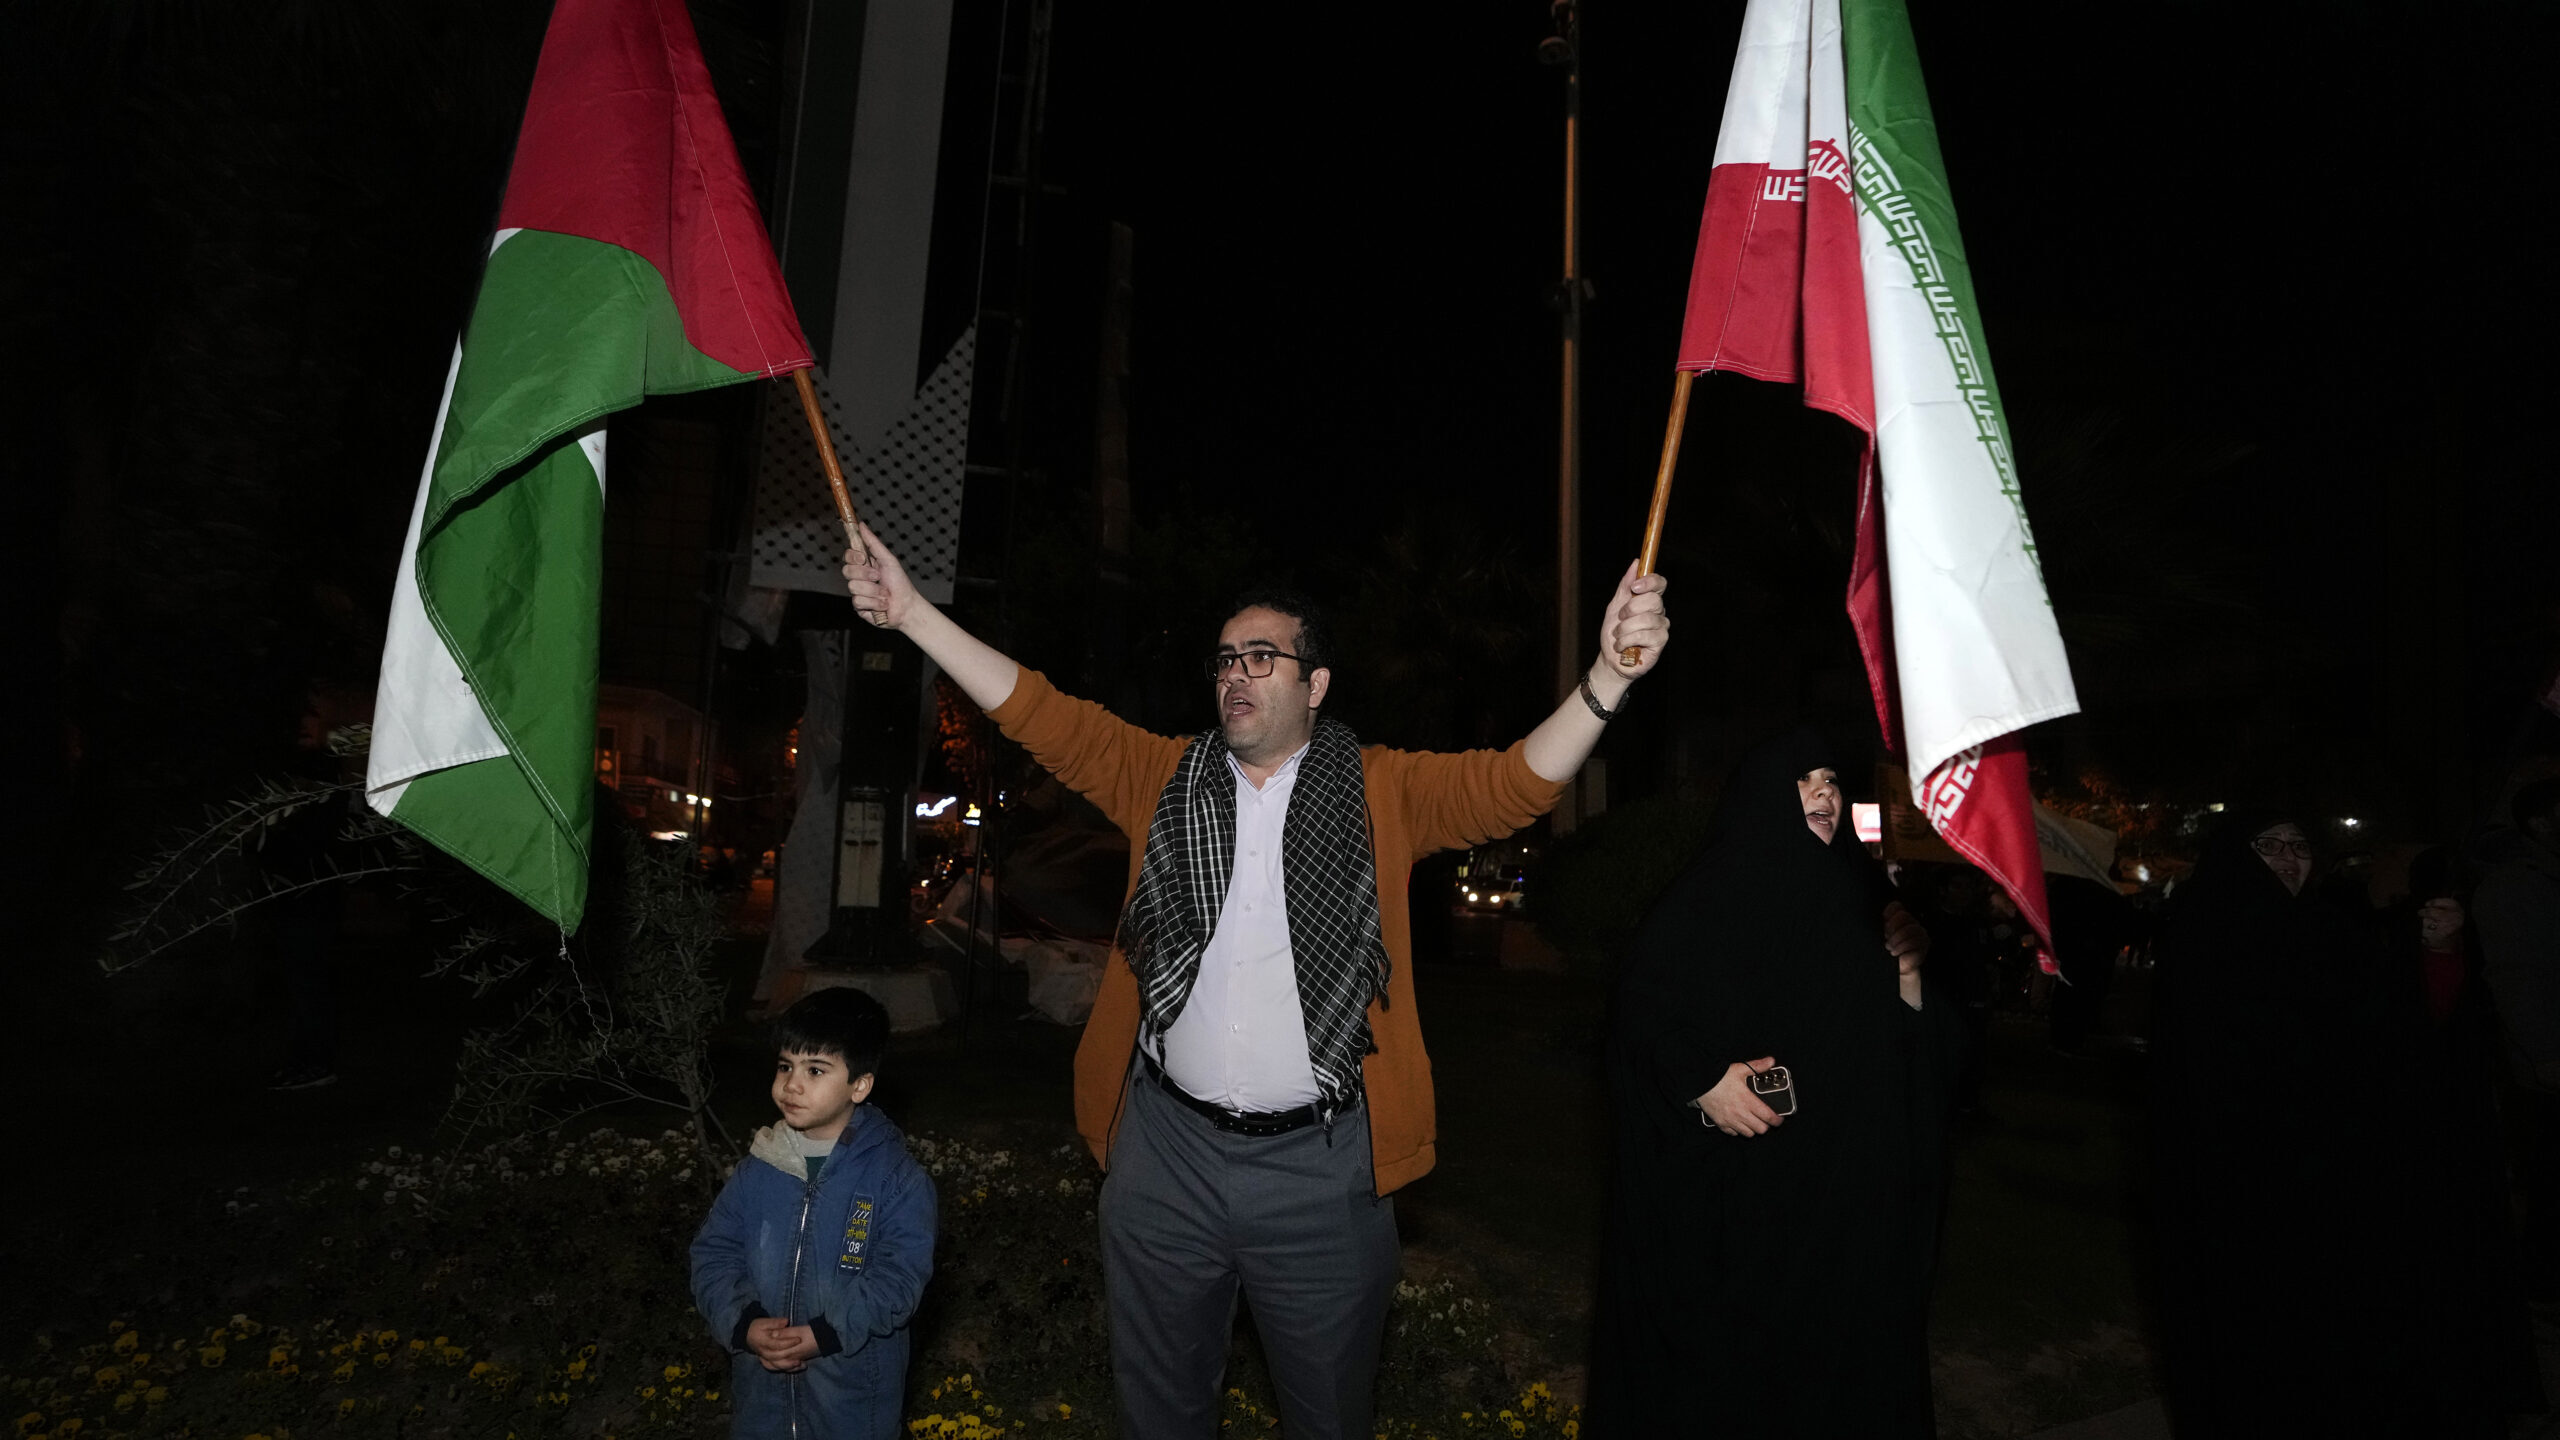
2353	1071
2337	1062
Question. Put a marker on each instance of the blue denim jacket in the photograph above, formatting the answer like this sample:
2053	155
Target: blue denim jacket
847	1254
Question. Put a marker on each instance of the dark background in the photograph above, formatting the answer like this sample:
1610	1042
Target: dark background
2262	292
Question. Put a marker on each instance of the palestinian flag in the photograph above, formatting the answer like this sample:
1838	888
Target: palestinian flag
1829	257
629	261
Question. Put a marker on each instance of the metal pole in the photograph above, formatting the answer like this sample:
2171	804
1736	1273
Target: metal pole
1566	49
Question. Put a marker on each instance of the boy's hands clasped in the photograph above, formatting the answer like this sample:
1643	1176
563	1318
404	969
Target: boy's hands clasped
780	1344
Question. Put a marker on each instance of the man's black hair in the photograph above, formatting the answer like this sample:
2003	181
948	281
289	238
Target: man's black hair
839	1021
1315	637
2536	800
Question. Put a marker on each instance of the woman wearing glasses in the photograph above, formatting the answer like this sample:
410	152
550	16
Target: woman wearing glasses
2272	1081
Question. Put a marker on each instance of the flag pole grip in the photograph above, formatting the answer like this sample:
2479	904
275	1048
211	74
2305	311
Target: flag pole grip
827	459
1680	382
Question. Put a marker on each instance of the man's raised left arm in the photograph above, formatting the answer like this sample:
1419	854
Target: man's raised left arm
1635	620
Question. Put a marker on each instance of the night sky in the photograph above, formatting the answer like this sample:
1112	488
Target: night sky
2262	296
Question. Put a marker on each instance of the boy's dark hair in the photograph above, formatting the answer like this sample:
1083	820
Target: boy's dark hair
1315	637
839	1021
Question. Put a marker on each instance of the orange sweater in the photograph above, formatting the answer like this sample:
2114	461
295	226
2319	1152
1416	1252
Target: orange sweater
1418	803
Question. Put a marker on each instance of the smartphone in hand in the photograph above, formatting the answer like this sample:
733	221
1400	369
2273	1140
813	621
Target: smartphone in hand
1776	1089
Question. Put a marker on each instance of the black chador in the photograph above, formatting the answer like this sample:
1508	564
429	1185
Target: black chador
1775	1285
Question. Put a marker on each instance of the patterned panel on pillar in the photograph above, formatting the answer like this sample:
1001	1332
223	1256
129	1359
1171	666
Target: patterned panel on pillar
906	485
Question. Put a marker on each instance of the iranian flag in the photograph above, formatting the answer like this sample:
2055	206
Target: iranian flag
1829	257
629	261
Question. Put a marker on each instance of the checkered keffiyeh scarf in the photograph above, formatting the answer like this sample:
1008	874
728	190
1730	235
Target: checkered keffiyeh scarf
1329	877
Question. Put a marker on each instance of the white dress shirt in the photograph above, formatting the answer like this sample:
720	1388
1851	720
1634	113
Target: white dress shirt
1241	1039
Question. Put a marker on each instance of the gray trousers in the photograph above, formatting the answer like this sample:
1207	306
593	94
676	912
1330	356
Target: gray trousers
1189	1213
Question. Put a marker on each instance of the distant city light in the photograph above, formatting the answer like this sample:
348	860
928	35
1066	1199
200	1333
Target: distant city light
971	817
928	812
670	835
2351	822
2215	807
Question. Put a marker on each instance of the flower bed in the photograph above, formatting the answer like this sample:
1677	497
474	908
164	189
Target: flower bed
536	1286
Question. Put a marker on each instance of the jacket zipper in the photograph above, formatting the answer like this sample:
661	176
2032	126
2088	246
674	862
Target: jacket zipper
791	1294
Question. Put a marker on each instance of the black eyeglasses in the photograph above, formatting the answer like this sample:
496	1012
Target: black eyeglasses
1257	663
2274	845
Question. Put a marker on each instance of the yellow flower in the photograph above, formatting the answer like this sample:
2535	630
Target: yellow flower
479	1368
157	1395
345	1372
576	1367
126	1339
648	1391
210	1357
1572	1429
387	1339
417	1345
107	1378
70	1426
346	1407
673	1372
124	1402
141	1361
1065	1410
32	1420
278	1358
380	1359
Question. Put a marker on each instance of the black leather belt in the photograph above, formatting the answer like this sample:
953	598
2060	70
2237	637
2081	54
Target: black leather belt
1250	1122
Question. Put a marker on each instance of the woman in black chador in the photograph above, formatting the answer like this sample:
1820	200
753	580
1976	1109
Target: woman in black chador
2272	1090
1761	1277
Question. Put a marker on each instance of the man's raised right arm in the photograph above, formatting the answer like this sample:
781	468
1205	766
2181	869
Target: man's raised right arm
883	595
1116	765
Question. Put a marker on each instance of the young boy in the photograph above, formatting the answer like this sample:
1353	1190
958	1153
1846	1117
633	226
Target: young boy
820	1245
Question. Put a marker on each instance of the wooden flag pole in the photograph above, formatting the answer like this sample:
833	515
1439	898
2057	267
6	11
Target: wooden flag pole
835	471
1680	382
